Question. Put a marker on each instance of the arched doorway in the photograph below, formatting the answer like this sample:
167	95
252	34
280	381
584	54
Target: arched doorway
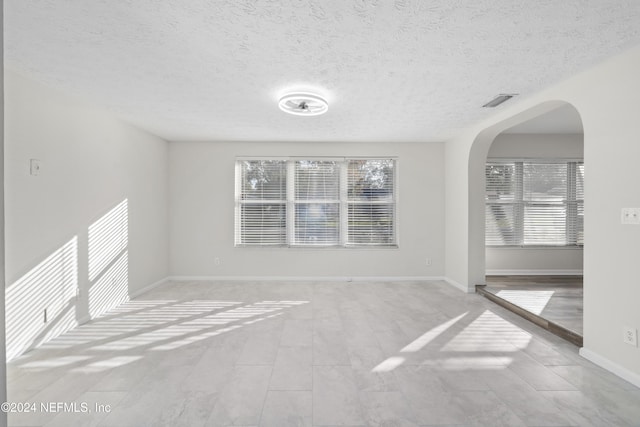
533	228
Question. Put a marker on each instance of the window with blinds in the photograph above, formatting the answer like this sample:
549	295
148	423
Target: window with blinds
317	202
261	202
534	203
370	202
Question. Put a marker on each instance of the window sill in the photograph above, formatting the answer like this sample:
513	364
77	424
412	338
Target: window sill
537	247
319	248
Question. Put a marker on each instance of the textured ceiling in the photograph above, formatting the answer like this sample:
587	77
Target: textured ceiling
404	70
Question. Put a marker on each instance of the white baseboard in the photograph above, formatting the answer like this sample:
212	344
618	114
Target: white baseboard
147	288
610	366
305	278
460	286
533	272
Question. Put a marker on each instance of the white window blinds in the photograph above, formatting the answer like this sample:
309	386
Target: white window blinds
261	202
503	201
534	203
315	202
370	202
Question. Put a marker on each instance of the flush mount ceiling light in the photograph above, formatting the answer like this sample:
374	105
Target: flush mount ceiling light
303	104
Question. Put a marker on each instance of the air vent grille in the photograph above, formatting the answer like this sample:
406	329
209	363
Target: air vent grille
503	97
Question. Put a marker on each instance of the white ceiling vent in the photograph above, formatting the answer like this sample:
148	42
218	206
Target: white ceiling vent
503	97
303	104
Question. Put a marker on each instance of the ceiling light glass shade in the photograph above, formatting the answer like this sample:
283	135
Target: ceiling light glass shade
303	104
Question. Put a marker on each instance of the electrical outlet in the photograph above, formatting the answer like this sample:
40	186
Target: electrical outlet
630	336
630	216
216	261
427	261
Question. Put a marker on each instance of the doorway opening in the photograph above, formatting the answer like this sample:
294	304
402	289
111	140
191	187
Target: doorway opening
534	216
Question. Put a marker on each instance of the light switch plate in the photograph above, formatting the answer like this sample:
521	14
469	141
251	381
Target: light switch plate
34	167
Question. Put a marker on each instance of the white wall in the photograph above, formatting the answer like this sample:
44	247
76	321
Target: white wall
538	146
202	214
91	164
606	98
3	365
457	250
535	260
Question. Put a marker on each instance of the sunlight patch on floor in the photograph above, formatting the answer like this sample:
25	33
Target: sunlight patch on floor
532	301
429	336
489	332
389	365
416	345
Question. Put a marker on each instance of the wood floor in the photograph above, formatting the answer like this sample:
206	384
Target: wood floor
553	302
315	354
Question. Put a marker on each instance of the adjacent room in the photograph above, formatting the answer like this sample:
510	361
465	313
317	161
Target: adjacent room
260	213
534	221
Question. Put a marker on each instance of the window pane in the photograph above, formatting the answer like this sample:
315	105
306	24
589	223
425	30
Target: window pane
371	202
317	197
263	179
262	224
371	224
500	224
580	225
580	181
370	179
545	224
545	181
501	182
317	180
317	224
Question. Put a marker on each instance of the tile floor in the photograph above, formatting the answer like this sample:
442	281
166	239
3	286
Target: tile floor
315	354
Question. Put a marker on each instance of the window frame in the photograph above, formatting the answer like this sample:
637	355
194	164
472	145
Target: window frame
572	203
290	211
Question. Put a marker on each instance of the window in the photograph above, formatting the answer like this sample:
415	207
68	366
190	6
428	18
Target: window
326	202
262	205
534	203
317	203
370	202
